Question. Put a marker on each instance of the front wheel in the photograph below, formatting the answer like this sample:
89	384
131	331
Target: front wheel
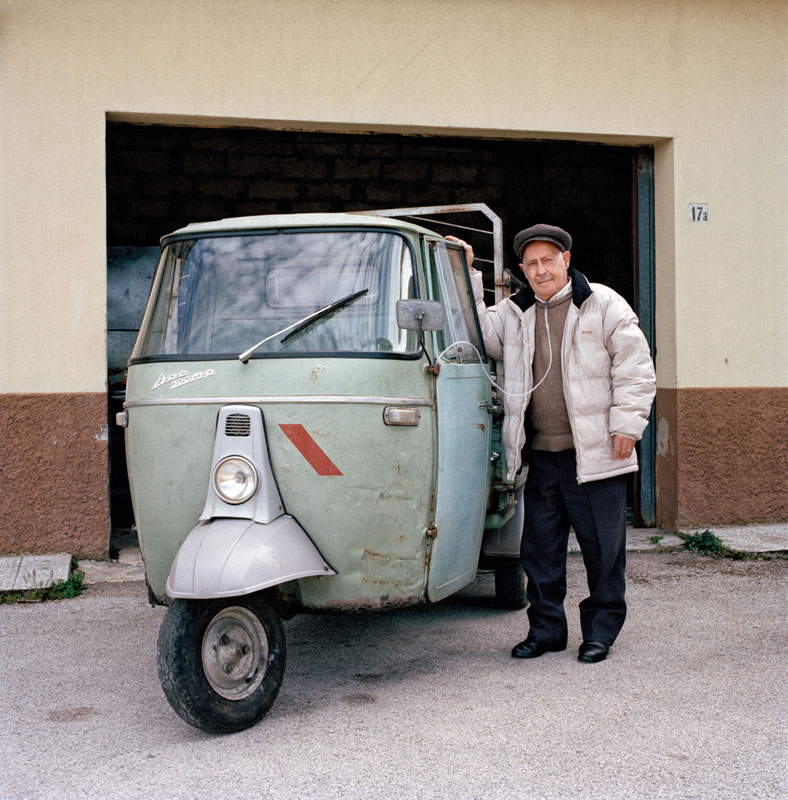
221	662
510	584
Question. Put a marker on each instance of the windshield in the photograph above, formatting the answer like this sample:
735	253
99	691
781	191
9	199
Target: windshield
218	296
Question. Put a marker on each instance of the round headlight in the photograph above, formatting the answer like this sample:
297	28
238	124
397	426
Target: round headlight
235	479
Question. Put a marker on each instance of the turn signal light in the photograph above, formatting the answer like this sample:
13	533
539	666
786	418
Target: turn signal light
401	416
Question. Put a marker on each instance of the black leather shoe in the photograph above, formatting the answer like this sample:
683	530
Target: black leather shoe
591	652
533	648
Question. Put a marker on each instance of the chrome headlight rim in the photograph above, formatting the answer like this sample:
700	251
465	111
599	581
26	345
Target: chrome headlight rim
249	491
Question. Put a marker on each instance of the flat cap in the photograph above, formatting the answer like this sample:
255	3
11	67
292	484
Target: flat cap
542	233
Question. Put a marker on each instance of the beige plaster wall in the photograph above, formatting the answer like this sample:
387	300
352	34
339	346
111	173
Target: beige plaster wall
704	80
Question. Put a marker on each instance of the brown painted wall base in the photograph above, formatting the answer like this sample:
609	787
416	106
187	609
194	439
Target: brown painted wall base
53	474
721	459
722	456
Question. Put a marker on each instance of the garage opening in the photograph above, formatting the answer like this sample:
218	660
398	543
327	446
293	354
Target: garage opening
160	178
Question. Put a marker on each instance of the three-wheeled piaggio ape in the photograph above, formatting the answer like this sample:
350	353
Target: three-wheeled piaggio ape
310	425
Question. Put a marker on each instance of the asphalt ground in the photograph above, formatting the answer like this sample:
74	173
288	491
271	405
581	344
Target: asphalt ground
423	702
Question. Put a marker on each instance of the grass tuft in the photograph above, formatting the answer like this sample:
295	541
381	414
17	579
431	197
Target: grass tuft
709	544
60	590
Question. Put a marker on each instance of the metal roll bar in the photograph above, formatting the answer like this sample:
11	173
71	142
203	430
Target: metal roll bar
502	282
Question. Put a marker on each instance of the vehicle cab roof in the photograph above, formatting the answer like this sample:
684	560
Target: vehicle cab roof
265	222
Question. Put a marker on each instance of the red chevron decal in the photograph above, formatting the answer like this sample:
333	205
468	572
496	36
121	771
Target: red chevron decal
310	450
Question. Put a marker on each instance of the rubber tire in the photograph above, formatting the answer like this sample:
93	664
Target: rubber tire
181	672
510	584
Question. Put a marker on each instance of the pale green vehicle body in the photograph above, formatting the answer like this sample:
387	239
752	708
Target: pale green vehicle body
385	486
402	523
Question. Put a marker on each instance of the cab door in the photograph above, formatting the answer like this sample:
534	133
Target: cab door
463	391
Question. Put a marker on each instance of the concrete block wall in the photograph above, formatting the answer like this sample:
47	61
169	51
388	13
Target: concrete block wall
160	178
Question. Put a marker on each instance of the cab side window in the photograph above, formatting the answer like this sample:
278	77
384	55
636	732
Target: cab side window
451	287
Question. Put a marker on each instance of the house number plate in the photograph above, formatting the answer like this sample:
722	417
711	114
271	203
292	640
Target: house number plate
699	212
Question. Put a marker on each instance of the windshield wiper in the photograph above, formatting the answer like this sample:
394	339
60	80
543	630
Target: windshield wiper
304	323
323	312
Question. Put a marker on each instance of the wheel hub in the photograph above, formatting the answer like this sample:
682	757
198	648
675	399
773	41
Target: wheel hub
235	653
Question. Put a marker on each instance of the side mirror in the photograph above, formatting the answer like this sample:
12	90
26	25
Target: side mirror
420	315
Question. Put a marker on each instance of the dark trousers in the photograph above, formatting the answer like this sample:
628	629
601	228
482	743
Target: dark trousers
554	500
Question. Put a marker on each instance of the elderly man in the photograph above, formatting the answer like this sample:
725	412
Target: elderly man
579	386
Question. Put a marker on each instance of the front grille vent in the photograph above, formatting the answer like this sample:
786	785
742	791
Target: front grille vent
237	425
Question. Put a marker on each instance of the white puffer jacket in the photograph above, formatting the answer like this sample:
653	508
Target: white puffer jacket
608	375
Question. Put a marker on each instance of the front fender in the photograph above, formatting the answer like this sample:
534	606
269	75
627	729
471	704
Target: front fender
232	557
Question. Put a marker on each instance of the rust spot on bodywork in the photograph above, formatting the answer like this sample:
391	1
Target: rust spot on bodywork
380	557
362	604
391	573
479	425
315	373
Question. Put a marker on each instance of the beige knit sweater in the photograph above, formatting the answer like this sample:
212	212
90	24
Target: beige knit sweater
546	414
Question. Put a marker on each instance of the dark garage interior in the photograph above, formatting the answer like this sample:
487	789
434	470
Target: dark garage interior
160	178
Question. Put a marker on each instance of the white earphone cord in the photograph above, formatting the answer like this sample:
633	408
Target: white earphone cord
503	391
